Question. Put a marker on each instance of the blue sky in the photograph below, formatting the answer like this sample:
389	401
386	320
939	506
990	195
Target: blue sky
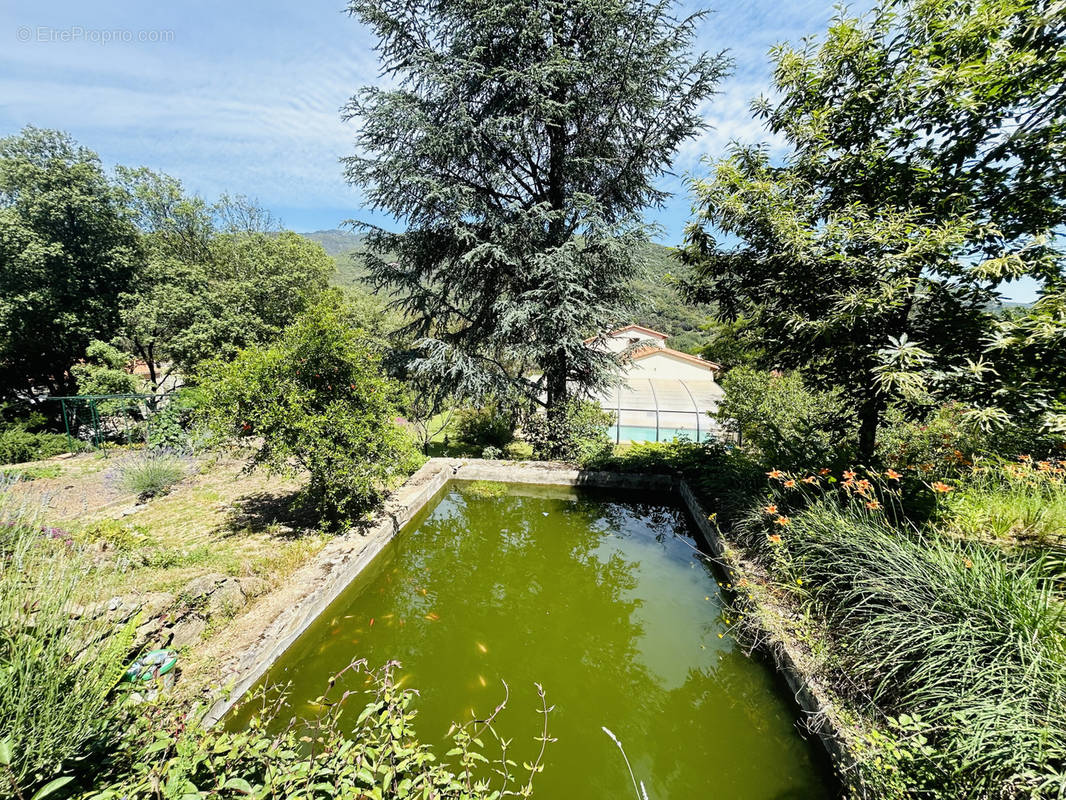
245	97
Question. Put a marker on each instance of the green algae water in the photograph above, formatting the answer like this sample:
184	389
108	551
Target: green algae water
603	601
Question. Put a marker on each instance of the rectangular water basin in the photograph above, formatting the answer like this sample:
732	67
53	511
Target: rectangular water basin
602	598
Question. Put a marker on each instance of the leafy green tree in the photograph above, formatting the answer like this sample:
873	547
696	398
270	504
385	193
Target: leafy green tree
315	401
925	169
260	281
1028	349
105	370
214	278
491	426
518	145
787	423
175	224
68	249
732	343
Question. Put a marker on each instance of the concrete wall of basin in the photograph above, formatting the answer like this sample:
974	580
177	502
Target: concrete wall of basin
344	558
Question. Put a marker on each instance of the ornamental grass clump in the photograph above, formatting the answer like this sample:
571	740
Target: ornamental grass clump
59	664
151	473
955	635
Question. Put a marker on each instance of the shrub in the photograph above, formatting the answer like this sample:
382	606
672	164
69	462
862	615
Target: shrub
171	426
377	756
578	433
104	370
18	444
151	473
317	401
944	442
937	445
783	421
57	668
487	426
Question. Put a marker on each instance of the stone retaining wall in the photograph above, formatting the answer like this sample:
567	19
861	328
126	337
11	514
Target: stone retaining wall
326	577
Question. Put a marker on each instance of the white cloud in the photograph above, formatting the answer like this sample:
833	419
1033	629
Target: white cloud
250	103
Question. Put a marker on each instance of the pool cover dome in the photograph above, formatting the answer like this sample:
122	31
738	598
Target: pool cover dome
661	409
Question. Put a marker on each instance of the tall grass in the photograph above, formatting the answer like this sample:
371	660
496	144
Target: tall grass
57	667
1014	502
970	641
151	473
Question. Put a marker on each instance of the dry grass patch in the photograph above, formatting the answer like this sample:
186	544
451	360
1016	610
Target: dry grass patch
219	520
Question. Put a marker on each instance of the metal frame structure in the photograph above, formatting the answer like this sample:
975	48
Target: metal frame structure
103	410
667	397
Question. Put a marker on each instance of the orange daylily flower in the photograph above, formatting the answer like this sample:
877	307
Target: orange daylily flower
848	474
873	505
941	487
770	509
810	479
789	483
775	473
824	471
892	475
783	521
774	538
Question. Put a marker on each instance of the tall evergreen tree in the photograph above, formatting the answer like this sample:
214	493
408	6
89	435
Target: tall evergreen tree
518	143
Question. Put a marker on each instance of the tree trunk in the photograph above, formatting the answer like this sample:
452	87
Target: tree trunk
869	421
152	376
557	392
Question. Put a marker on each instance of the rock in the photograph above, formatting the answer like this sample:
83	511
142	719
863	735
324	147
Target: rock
146	632
155	604
187	632
132	510
227	598
199	588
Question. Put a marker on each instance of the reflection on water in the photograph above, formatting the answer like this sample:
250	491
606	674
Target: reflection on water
602	601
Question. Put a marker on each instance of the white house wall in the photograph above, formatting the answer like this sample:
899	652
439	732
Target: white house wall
665	365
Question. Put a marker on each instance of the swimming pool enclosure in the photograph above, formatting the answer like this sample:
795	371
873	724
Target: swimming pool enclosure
662	409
